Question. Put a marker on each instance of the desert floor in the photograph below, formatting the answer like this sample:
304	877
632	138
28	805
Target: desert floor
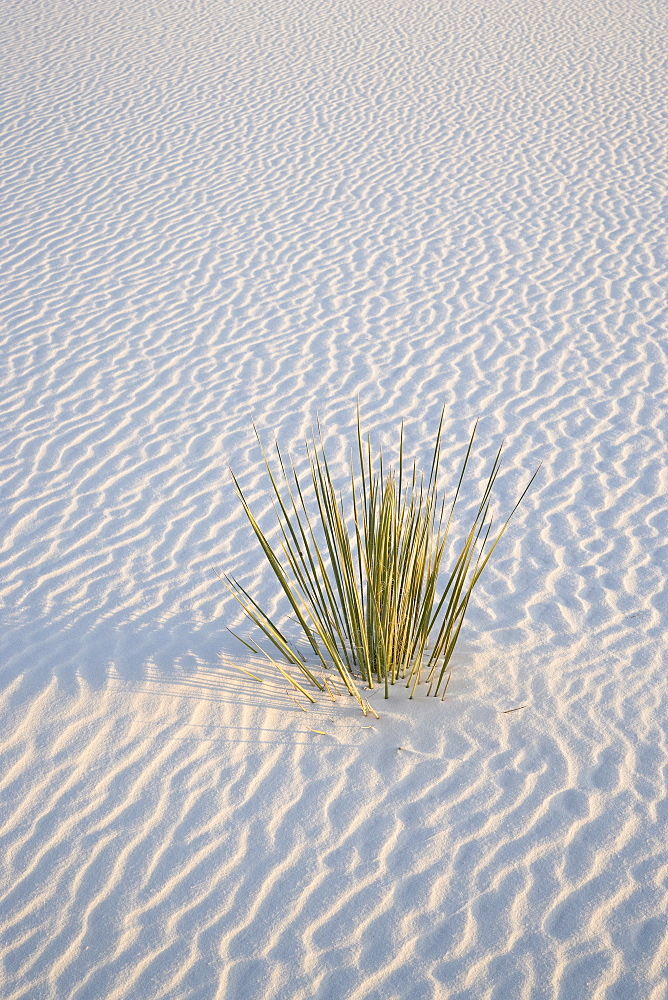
215	213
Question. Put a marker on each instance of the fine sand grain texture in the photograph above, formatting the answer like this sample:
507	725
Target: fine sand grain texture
218	211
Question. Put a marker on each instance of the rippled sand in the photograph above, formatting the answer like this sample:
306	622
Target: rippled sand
219	212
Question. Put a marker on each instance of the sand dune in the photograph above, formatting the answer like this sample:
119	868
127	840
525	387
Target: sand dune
220	213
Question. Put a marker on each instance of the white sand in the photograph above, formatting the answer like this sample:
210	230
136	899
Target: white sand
219	211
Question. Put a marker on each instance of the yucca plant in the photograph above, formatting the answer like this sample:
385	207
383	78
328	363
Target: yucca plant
364	581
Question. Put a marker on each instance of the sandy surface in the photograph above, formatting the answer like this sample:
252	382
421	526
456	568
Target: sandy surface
214	212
